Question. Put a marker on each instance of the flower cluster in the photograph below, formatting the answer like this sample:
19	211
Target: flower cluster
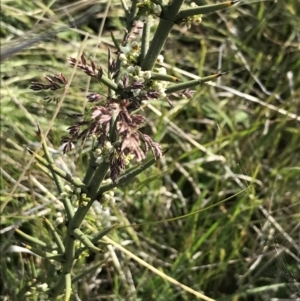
130	53
148	88
76	197
148	8
113	124
112	121
69	192
40	289
108	198
195	19
117	131
55	82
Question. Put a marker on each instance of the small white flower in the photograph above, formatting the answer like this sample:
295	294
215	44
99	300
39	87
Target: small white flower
64	194
106	197
197	19
141	73
123	57
134	45
159	86
74	198
124	49
162	95
108	146
155	85
43	287
67	188
135	55
57	265
107	181
130	69
126	161
124	63
97	152
160	58
136	78
137	69
147	74
162	70
99	160
157	9
59	220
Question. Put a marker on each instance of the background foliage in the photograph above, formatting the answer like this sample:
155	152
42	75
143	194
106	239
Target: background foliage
243	129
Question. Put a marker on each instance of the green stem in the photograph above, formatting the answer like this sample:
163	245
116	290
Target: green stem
191	83
145	39
90	170
47	255
57	180
95	239
157	44
67	268
108	83
31	239
68	204
74	181
68	281
168	17
171	11
116	43
85	240
97	180
95	184
205	9
79	216
82	211
60	245
164	77
56	177
131	15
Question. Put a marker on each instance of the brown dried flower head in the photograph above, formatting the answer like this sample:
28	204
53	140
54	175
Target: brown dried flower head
114	122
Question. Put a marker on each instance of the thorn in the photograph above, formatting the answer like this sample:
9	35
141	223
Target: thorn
39	131
29	150
100	72
166	149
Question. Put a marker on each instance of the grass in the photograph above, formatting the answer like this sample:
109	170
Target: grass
243	130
